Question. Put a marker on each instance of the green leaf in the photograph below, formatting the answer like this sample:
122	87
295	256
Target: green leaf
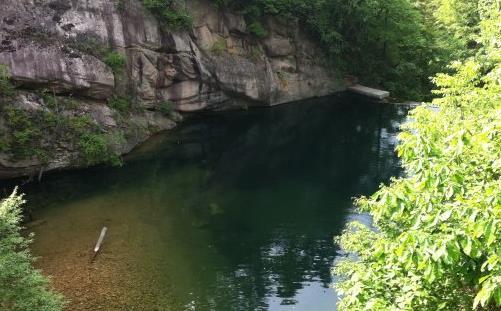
466	244
446	215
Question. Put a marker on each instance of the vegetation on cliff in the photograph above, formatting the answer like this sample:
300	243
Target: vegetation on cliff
384	43
171	14
6	87
36	134
395	44
437	242
21	286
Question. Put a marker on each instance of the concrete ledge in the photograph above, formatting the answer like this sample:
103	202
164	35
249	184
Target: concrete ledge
369	92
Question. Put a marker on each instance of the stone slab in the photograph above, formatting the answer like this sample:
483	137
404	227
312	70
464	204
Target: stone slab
369	92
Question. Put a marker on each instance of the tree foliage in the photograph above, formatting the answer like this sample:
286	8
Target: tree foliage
21	286
384	43
437	243
171	14
394	44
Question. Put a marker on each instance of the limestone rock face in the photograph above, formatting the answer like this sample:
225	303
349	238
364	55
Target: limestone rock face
60	46
278	46
49	67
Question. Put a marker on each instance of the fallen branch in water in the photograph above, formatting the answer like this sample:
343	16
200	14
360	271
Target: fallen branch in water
99	243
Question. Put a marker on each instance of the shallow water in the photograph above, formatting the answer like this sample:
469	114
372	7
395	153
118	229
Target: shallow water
231	211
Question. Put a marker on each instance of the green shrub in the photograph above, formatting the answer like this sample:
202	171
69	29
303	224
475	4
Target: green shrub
6	87
156	5
4	144
120	103
115	141
178	19
49	98
25	134
438	244
21	286
93	147
115	60
88	44
30	132
170	14
257	29
98	148
93	45
70	103
120	6
166	107
81	124
219	47
393	44
17	119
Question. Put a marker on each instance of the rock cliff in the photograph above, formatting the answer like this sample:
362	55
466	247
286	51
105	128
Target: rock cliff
109	69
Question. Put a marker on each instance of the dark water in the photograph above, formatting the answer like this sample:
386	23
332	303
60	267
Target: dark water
232	211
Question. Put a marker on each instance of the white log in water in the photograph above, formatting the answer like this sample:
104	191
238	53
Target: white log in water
369	92
99	242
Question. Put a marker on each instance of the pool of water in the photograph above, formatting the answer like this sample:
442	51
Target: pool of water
231	211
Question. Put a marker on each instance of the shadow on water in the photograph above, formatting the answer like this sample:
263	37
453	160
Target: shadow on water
232	211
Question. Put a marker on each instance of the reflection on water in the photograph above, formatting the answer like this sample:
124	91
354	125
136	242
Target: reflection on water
233	211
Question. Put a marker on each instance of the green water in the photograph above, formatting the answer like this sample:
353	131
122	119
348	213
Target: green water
231	211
